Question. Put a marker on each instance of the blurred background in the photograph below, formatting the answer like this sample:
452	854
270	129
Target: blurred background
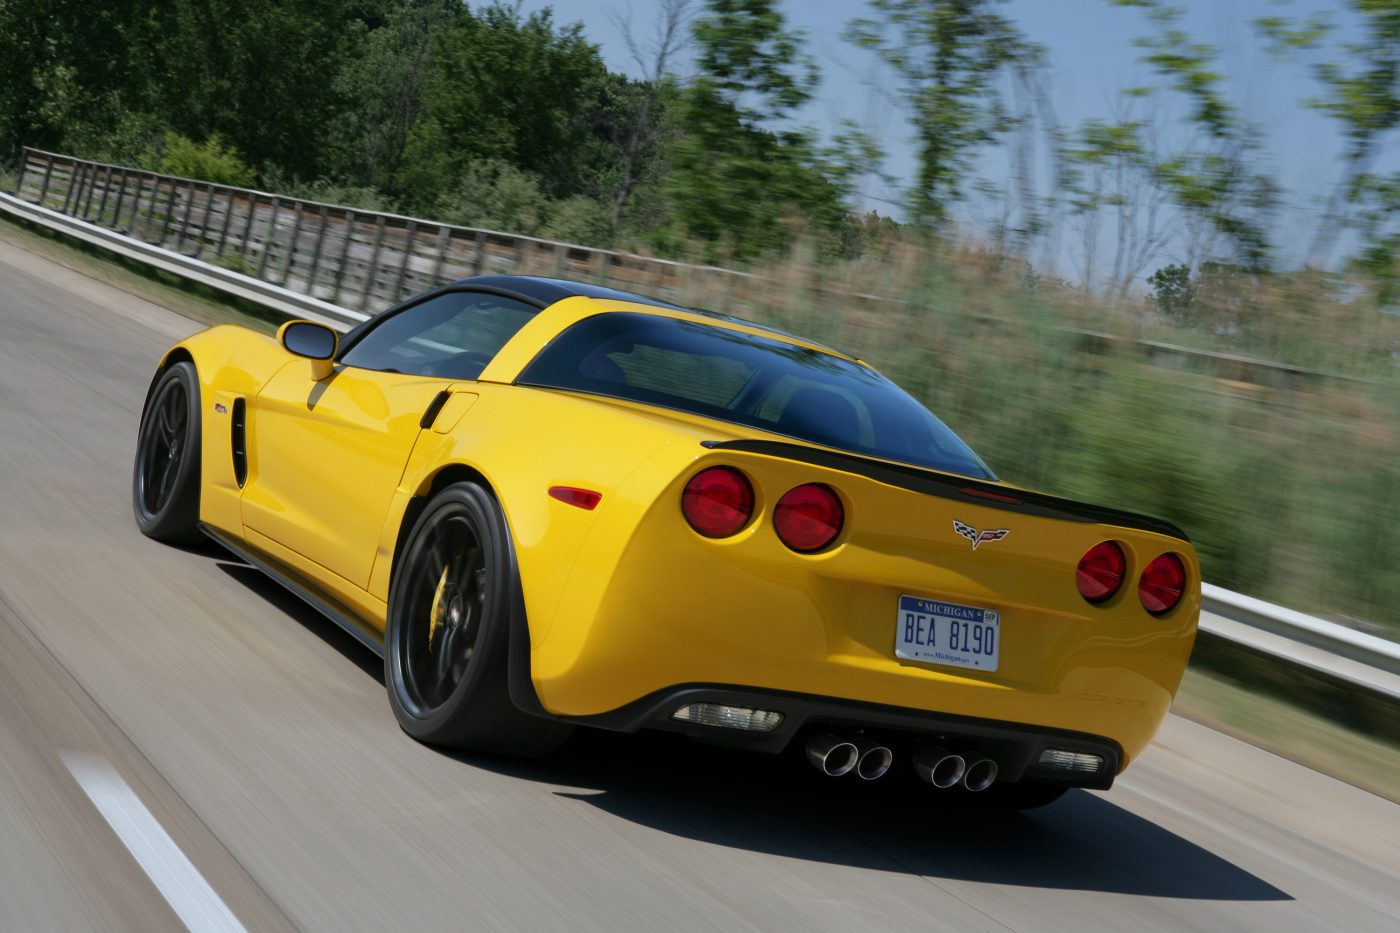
1133	251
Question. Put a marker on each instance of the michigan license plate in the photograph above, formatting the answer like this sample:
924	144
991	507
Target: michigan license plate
947	633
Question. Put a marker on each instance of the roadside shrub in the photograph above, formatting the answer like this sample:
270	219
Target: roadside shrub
210	160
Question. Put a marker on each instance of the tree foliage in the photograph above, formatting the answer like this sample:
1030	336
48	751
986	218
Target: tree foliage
740	177
483	113
948	56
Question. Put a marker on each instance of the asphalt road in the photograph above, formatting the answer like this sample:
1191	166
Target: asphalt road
278	792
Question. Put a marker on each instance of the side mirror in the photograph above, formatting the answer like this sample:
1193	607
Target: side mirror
316	342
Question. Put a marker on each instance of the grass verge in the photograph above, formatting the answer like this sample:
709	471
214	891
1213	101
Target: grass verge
1273	724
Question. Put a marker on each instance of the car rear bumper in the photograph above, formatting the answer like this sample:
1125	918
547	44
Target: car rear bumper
1015	747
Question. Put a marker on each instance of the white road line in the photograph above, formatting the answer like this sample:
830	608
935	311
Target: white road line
178	881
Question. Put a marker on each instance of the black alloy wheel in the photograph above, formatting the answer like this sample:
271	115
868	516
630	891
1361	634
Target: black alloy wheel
443	613
451	605
165	480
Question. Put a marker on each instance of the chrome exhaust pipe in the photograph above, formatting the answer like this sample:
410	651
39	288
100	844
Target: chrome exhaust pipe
980	775
831	755
939	767
873	760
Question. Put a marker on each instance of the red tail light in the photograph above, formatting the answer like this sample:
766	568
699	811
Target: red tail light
1162	583
809	517
718	502
1100	571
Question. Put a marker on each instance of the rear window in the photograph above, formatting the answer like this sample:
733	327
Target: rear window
749	380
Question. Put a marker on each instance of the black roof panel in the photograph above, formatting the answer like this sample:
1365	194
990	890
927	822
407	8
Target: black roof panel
545	291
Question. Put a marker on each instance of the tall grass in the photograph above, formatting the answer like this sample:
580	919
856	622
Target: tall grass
1288	483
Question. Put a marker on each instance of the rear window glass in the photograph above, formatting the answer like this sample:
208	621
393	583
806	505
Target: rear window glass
749	380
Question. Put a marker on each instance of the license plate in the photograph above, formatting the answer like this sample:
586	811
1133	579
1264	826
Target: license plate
947	633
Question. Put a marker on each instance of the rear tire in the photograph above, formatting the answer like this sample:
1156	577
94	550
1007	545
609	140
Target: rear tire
448	630
165	478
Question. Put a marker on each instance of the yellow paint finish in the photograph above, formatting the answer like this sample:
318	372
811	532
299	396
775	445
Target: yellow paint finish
452	411
325	458
626	599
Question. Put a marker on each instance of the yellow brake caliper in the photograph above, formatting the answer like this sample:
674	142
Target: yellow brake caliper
439	611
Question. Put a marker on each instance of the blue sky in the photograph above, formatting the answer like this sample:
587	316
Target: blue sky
1091	57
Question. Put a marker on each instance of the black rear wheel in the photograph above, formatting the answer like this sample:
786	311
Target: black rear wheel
165	478
448	630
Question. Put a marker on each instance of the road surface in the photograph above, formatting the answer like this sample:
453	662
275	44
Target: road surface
183	743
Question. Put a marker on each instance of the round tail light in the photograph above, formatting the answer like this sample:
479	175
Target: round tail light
1100	571
809	517
718	502
1162	583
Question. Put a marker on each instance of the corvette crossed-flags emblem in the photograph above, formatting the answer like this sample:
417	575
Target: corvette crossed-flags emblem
971	534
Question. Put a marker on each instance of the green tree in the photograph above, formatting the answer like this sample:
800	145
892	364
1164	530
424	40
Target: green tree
1362	93
948	56
509	87
71	71
1172	292
1211	181
740	174
382	87
258	73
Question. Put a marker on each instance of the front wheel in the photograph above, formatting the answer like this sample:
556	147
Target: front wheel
165	478
448	627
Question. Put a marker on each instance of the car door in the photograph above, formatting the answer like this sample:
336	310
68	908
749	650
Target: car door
326	456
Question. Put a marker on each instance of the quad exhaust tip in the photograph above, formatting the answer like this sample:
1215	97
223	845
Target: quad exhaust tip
940	767
832	755
874	760
980	775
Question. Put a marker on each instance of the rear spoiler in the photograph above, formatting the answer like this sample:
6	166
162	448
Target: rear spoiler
956	488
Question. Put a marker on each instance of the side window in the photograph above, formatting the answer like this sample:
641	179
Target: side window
451	336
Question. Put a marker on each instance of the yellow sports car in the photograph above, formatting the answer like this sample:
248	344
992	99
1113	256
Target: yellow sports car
548	504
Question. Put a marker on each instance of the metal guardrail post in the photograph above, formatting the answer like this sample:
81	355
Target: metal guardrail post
367	293
48	176
274	206
91	191
316	252
292	244
165	214
185	217
444	244
246	240
408	234
74	173
202	240
155	197
121	199
223	228
479	260
106	193
346	240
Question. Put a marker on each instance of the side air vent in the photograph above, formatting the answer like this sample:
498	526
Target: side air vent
240	445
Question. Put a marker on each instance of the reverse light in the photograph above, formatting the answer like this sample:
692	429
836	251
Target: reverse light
729	717
809	517
717	502
585	499
1162	583
1076	762
1100	571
